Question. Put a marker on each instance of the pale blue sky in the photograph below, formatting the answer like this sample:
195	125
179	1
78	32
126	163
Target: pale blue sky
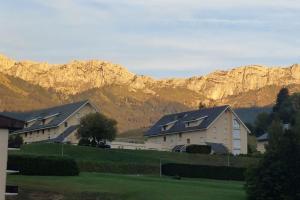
161	38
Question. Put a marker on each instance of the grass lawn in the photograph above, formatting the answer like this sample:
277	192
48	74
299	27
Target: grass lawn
122	156
96	186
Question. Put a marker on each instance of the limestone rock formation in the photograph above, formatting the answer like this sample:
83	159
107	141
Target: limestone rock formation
123	93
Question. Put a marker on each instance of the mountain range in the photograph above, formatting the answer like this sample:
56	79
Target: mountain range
137	101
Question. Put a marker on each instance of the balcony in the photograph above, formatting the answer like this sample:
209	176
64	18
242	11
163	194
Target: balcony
13	149
12	171
11	190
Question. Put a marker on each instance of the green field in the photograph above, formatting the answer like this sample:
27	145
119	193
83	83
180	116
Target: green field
129	161
96	186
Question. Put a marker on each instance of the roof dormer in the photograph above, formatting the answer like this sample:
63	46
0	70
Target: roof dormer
167	126
194	122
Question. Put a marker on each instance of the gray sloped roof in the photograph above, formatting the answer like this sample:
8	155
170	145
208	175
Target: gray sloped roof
181	118
10	123
61	113
64	135
217	148
263	137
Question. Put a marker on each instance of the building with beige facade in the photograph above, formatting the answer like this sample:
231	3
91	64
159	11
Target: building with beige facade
262	142
56	124
6	124
219	127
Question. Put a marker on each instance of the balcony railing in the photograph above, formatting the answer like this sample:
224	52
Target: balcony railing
8	171
13	149
11	190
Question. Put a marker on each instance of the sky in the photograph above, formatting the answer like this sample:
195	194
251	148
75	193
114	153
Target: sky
159	38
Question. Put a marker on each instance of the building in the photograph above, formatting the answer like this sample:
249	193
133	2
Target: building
56	124
219	127
6	124
262	141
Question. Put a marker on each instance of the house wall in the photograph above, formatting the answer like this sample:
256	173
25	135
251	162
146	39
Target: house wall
222	132
196	137
36	136
261	146
3	161
127	145
244	140
219	132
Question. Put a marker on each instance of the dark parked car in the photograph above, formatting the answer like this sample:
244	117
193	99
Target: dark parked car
103	145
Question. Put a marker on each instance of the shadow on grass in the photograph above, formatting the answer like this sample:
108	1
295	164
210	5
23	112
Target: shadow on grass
29	194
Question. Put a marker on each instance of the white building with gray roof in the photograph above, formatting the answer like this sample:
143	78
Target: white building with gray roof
56	124
219	127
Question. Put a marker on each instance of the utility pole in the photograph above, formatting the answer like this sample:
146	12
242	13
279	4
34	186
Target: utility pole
160	169
62	149
228	159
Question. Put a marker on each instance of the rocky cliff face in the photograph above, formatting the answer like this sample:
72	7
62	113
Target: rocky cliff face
78	76
138	101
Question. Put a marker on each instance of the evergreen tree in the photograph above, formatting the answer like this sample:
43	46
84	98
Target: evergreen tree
277	175
281	97
262	123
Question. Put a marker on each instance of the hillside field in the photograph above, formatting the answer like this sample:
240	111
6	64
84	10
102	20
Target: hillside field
95	186
130	161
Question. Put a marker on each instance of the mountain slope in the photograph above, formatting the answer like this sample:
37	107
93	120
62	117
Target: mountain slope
136	101
17	94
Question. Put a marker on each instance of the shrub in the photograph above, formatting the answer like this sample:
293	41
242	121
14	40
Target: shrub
119	168
15	141
202	149
43	165
203	171
84	142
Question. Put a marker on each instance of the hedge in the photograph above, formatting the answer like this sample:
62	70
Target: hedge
43	165
195	148
204	171
119	168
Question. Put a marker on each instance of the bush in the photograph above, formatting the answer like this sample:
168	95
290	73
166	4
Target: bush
43	165
119	168
203	171
202	149
15	141
84	142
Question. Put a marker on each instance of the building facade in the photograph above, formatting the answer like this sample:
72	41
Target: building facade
262	142
56	124
6	124
217	127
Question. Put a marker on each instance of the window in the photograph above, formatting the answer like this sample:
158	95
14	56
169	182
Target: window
188	141
25	134
180	135
66	124
167	126
26	124
165	138
164	128
236	144
236	134
43	121
43	131
194	122
236	151
38	132
236	124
